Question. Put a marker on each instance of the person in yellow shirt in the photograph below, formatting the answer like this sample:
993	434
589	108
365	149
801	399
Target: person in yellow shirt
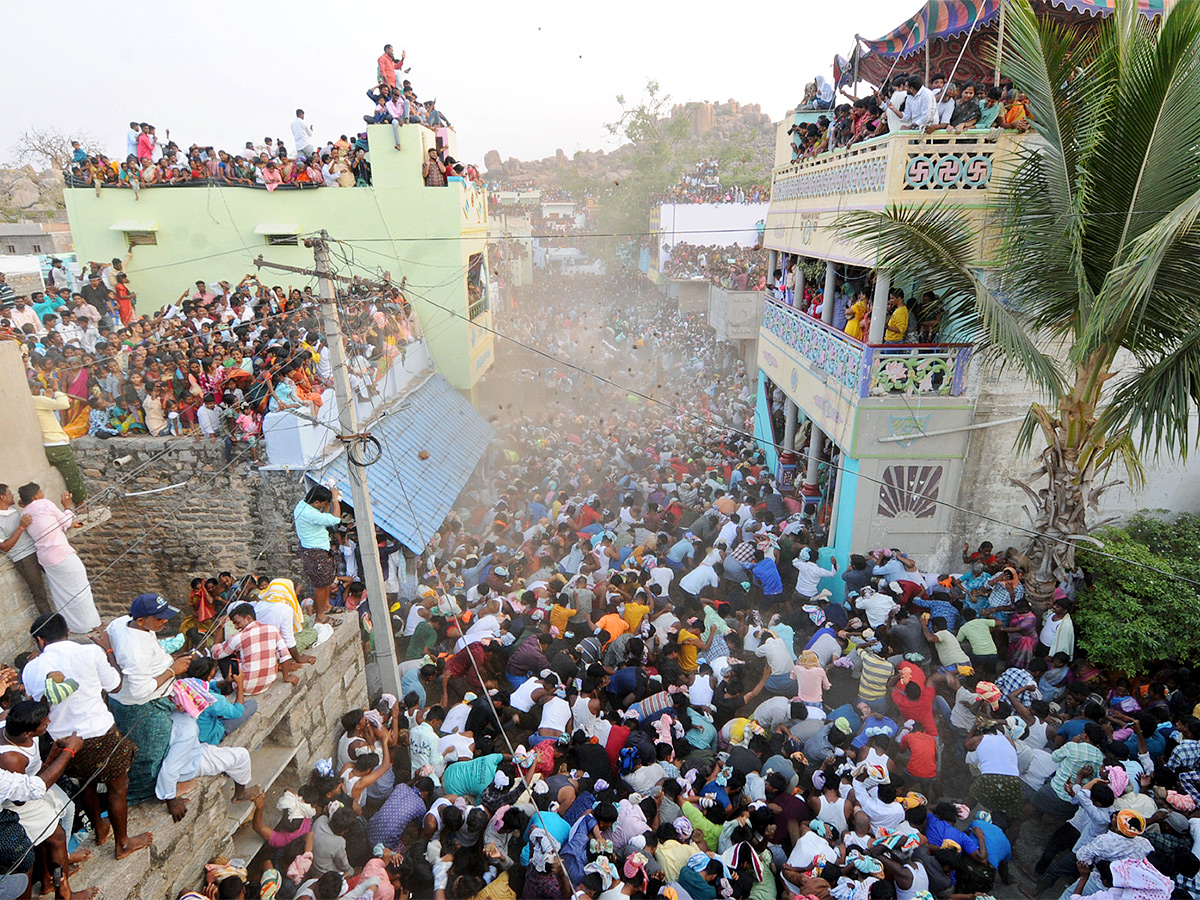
47	401
560	613
690	646
636	610
897	323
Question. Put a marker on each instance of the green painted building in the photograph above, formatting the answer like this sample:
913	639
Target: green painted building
435	237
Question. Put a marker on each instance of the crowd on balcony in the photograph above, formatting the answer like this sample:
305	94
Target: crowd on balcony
910	320
207	365
906	103
733	267
311	163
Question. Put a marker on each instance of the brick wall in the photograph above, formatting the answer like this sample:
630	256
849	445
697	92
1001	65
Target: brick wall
206	516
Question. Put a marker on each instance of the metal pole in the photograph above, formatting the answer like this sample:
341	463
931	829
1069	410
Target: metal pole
928	39
999	45
364	520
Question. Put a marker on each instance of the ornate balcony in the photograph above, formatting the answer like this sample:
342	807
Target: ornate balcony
868	370
898	169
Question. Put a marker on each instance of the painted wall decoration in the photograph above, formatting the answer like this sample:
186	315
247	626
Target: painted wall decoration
966	171
909	492
860	175
828	349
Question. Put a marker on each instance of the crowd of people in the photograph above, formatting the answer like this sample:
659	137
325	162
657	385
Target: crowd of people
733	267
211	363
311	163
702	184
630	671
909	320
905	103
630	668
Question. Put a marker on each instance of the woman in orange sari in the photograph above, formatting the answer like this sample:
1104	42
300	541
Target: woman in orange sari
78	412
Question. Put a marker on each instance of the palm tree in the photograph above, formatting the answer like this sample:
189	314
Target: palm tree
1095	251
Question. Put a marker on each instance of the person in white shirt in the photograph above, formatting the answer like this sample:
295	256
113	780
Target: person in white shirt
698	579
104	755
16	541
809	574
208	417
302	133
920	110
148	674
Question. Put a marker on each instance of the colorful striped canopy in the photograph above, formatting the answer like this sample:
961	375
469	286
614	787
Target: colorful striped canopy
949	18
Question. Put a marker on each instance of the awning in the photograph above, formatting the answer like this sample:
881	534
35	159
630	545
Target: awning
270	228
411	496
133	225
943	19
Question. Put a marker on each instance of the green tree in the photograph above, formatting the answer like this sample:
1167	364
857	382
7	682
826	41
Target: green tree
1138	610
1097	254
658	155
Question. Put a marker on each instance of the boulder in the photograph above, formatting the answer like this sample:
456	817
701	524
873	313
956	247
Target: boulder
512	166
492	161
24	197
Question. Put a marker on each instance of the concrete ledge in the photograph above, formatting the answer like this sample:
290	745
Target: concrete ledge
294	727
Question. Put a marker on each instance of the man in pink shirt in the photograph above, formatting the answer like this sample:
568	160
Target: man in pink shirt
146	143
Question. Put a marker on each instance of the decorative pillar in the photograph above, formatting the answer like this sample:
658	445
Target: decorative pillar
816	440
772	263
883	283
789	425
830	287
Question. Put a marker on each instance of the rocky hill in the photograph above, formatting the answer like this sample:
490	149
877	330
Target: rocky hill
710	124
29	195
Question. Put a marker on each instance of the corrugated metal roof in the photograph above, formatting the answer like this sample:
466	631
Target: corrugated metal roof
410	496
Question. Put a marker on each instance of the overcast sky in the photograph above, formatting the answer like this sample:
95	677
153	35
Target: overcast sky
523	78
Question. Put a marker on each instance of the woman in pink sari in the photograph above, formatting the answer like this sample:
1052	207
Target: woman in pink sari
67	579
1022	630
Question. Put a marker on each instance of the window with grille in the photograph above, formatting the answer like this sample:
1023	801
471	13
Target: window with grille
282	240
141	238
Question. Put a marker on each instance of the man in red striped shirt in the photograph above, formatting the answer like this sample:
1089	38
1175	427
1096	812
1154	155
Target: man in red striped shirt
259	648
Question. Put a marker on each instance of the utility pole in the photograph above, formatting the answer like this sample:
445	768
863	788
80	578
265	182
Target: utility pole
364	519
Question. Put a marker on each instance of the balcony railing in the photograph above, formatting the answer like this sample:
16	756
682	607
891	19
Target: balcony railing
869	370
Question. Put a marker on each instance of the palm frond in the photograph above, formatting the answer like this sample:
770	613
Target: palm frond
1156	401
1146	163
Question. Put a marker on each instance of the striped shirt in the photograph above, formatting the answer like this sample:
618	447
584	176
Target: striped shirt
1071	757
876	671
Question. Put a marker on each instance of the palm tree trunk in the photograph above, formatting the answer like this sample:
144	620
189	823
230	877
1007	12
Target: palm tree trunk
1074	441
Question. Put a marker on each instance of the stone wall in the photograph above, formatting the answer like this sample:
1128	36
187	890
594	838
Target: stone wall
22	461
179	511
293	728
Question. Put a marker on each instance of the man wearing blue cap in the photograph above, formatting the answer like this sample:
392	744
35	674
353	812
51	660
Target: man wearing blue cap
142	707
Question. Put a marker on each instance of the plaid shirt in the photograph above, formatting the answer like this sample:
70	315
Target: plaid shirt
259	649
1013	679
1185	761
1071	757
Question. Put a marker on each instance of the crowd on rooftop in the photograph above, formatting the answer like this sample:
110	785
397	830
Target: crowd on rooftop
312	162
906	103
702	184
631	669
209	364
733	268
